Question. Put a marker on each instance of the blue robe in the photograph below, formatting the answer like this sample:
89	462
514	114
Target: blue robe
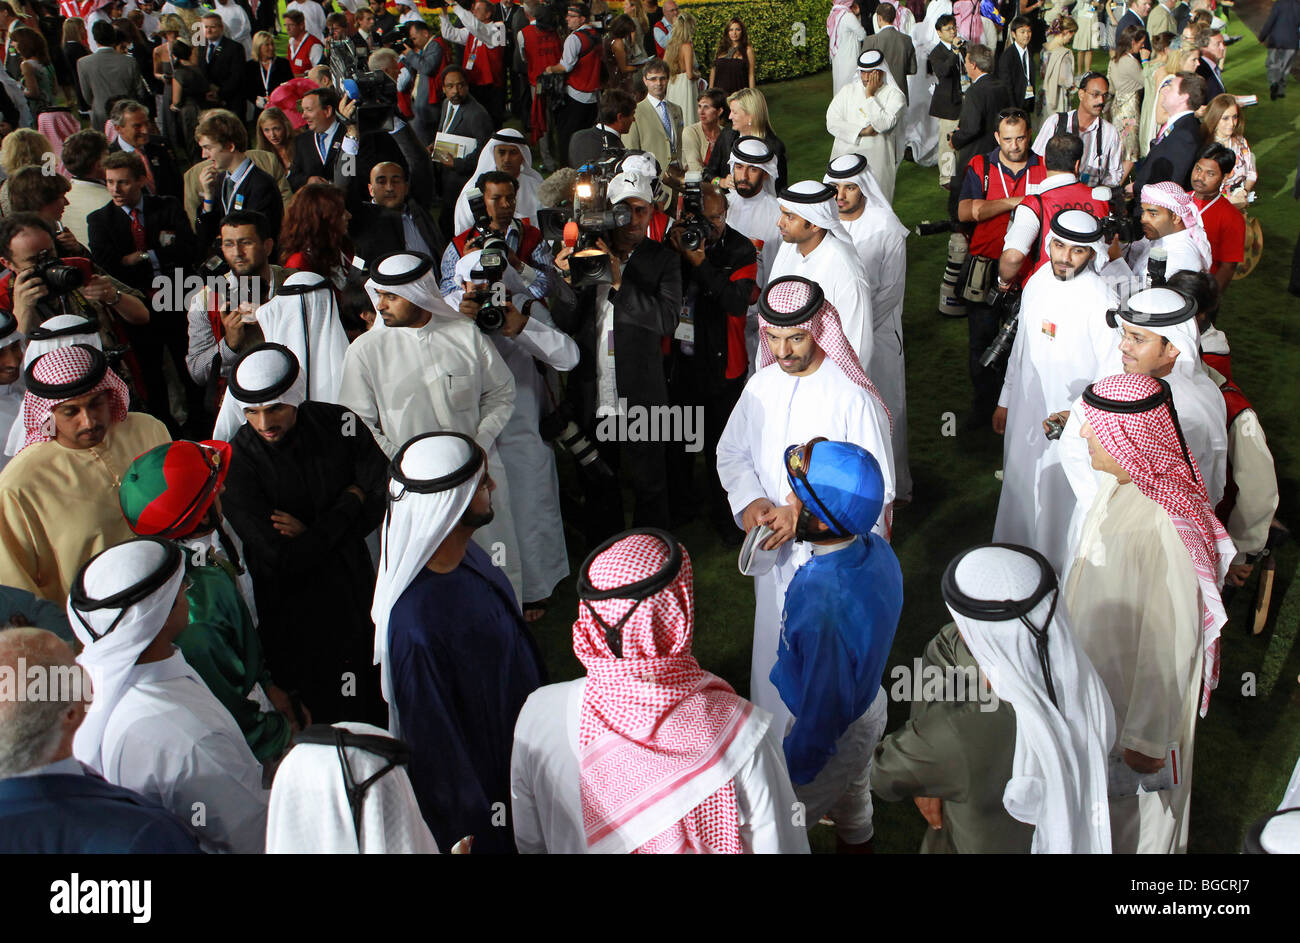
463	663
841	612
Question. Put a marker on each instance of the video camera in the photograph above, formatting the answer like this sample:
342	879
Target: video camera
1118	221
692	227
374	93
589	218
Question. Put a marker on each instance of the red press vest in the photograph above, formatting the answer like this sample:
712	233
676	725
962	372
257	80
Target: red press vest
485	66
1237	404
541	49
585	76
530	237
301	60
987	238
1074	196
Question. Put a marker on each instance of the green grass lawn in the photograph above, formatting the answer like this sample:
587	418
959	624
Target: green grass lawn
1248	744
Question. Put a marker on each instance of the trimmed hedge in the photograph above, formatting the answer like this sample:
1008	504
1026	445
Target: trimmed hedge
773	30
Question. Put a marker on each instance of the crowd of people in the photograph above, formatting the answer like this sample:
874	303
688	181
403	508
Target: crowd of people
294	348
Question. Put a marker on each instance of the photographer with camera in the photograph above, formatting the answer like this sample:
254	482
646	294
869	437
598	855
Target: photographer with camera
1027	235
620	322
994	185
709	363
526	252
424	59
580	59
533	348
1102	163
37	286
484	57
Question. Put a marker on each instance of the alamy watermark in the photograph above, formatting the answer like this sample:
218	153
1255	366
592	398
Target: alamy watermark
652	424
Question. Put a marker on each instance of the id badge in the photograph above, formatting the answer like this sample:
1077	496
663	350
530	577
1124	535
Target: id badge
609	344
1049	329
685	332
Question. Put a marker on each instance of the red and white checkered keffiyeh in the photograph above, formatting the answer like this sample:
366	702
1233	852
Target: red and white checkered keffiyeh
1170	196
66	365
653	720
827	332
1147	446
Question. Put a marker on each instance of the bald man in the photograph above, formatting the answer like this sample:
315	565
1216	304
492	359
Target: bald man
48	805
392	221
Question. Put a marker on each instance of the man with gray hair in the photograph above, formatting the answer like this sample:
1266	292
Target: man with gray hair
48	804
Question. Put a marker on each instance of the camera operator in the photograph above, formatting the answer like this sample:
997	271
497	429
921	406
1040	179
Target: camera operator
994	185
1102	164
27	243
220	328
709	362
1060	189
527	253
533	348
363	151
620	328
424	59
580	61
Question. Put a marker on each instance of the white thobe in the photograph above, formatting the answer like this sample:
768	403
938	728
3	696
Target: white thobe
1183	256
777	410
850	111
238	27
1202	415
529	461
1060	345
11	403
172	741
1135	605
756	219
444	376
835	265
921	132
844	62
544	784
881	241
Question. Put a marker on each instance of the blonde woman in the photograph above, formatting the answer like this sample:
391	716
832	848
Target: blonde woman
1223	124
683	70
749	117
22	147
1057	67
264	72
275	135
636	11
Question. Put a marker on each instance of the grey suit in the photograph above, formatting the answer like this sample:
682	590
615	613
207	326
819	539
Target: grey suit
106	75
899	53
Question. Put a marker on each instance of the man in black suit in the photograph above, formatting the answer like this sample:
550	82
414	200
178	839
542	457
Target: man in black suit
947	65
162	175
222	62
648	279
1135	15
462	115
138	239
230	181
617	112
318	146
1173	153
1017	65
977	127
393	221
1209	43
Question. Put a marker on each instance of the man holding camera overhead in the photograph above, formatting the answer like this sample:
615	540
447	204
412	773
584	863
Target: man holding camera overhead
626	300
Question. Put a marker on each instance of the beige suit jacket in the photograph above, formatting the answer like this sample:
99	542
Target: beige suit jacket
647	133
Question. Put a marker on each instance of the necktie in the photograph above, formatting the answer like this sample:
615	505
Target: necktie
137	230
451	113
668	125
211	49
227	192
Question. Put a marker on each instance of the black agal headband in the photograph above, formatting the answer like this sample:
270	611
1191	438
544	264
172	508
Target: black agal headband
639	591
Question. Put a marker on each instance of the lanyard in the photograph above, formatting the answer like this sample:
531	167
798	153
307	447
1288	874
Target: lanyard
1202	210
234	184
266	76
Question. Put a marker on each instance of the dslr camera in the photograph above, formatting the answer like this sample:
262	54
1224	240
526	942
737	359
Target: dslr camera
491	270
60	277
692	228
1118	221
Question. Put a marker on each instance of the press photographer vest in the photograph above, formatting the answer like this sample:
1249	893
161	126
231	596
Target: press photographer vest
485	66
541	49
530	237
300	58
585	76
986	240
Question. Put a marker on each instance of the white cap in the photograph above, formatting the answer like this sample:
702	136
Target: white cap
630	183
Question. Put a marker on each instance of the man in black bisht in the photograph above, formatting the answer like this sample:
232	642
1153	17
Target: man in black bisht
307	483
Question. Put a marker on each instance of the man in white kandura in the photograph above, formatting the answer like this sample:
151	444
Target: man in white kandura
862	117
753	211
881	241
809	384
816	246
1060	345
1143	597
428	368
